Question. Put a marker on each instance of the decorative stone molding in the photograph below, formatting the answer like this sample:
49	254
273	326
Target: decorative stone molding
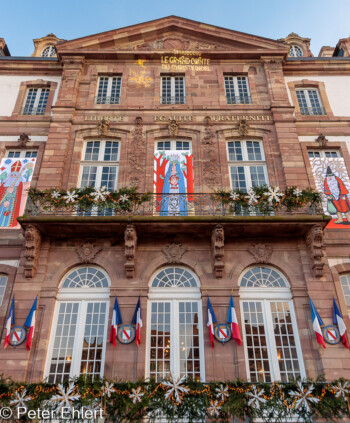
87	251
261	252
174	252
130	238
322	140
217	244
243	127
32	242
173	128
23	139
137	156
103	127
211	172
314	241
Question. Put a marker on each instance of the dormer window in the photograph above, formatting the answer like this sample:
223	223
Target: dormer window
295	51
48	51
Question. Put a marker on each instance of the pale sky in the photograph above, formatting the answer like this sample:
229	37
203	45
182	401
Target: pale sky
324	21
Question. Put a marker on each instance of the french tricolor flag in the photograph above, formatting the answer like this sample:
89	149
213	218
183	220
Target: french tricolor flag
316	324
136	320
10	321
338	320
116	320
232	319
30	323
211	319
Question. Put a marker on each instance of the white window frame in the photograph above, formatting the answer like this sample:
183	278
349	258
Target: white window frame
172	89
246	163
173	145
236	90
109	89
33	109
346	296
294	49
309	105
83	296
323	153
22	154
266	296
51	49
100	163
3	288
174	296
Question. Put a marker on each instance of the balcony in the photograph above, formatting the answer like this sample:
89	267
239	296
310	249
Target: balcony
238	99
35	111
164	214
180	99
107	100
312	111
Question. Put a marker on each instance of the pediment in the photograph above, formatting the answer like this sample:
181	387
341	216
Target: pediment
171	33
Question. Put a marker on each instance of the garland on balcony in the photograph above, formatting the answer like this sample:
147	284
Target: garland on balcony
266	199
176	399
87	198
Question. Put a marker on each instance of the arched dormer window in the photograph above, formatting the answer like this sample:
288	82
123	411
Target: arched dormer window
49	51
272	345
175	329
78	338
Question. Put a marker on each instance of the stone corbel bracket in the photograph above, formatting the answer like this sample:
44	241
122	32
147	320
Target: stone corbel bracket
314	241
32	242
130	238
217	244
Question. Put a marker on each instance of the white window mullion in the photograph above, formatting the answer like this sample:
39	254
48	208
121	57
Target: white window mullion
37	97
174	343
271	342
76	358
248	177
297	340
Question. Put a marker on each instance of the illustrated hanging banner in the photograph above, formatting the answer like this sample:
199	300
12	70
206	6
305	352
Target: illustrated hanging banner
173	181
332	180
15	177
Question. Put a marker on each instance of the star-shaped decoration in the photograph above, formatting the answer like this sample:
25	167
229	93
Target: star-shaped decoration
341	389
65	397
123	198
20	399
100	194
140	79
303	397
222	392
234	196
55	194
297	192
70	197
274	194
214	409
175	389
107	389
252	197
136	395
256	397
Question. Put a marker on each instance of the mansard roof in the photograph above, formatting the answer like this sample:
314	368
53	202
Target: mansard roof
172	33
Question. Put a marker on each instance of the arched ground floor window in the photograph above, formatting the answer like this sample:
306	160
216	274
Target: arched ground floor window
78	336
175	328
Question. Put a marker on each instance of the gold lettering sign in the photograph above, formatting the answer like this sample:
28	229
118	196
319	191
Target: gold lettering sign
185	61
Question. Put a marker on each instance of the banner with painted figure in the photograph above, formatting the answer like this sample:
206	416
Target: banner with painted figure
332	180
173	181
15	177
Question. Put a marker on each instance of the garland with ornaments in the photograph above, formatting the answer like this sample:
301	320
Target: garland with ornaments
266	199
179	398
85	199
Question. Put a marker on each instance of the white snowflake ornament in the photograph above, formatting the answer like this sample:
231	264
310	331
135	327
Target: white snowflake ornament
100	194
20	399
65	397
303	397
70	197
222	392
174	388
341	389
234	196
274	194
214	409
136	395
107	389
256	397
252	197
297	192
123	198
55	195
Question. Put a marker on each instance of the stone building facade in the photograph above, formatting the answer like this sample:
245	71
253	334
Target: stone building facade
251	111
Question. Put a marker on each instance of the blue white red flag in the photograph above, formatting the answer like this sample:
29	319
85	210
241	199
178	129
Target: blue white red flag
316	324
116	320
136	320
338	320
30	323
232	320
10	321
211	319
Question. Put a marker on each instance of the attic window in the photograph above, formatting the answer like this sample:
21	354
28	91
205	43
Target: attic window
48	51
295	51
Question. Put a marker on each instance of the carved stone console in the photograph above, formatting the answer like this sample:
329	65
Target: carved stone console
32	243
130	238
217	244
314	241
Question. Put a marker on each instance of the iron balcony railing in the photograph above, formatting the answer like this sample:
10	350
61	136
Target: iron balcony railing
107	100
179	99
33	110
238	99
169	205
312	111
